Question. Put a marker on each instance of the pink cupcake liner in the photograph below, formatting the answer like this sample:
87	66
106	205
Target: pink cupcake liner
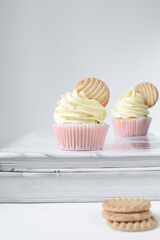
131	127
80	137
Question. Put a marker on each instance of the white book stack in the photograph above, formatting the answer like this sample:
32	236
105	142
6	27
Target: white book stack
33	169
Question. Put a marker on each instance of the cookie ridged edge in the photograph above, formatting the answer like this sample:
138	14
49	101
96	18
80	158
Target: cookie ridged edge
134	226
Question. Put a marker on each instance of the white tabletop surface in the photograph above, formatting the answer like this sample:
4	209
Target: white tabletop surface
64	221
45	145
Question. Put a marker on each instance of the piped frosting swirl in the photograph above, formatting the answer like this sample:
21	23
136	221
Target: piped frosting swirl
130	105
76	108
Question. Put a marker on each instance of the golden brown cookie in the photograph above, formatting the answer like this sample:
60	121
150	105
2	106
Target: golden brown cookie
94	89
134	226
126	217
126	205
149	91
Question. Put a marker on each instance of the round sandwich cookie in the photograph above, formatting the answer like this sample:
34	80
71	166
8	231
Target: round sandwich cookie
126	217
94	88
149	91
137	226
126	205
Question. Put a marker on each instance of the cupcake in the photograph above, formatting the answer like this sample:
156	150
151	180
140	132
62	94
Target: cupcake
131	110
79	118
131	115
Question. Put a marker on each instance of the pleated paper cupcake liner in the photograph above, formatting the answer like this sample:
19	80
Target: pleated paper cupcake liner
131	127
80	137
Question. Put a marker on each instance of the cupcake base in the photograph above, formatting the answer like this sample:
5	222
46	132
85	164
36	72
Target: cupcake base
131	127
80	137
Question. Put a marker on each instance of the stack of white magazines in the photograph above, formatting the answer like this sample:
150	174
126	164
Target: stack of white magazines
33	169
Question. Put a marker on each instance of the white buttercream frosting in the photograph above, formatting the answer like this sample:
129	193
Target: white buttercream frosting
76	108
130	105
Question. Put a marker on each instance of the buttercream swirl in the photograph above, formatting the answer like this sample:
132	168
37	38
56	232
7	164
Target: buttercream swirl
76	108
130	105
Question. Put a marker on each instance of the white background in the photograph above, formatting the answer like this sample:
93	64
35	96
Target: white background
46	46
65	221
